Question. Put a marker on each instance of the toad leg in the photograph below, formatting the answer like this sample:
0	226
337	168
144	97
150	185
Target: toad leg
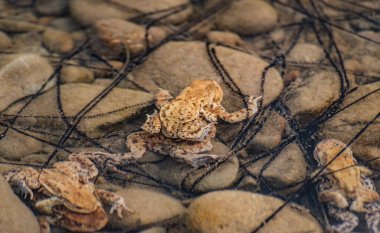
24	180
88	169
152	124
136	143
117	202
191	153
364	196
163	97
333	197
45	206
349	220
44	222
372	217
364	171
197	131
239	115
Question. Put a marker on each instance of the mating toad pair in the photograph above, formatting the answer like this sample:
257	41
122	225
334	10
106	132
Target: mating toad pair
345	186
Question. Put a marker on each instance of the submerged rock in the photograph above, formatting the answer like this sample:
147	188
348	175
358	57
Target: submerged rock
10	25
248	17
180	174
5	41
117	35
225	38
14	215
22	75
15	146
347	123
176	64
241	212
308	96
271	133
287	170
149	207
148	6
306	53
119	105
76	74
88	12
51	7
58	41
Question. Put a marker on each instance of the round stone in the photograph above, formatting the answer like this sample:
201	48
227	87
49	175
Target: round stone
58	41
247	17
241	212
176	64
148	206
14	215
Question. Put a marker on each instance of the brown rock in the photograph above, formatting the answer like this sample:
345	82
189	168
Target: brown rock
241	212
118	106
177	173
14	215
22	75
309	96
288	168
248	17
347	123
148	206
176	64
58	41
117	33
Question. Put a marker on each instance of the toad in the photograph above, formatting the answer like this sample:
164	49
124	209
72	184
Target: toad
344	184
184	126
65	196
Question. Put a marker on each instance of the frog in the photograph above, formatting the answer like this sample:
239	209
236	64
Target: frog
184	126
65	196
345	186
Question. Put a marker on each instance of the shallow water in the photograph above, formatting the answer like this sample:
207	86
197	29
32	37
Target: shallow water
82	75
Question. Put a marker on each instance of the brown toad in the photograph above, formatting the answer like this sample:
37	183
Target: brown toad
184	126
64	195
344	184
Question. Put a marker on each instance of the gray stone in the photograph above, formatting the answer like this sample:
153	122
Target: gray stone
176	64
248	17
118	106
308	96
5	41
58	41
65	24
306	53
149	207
271	133
288	168
241	212
14	215
10	25
51	7
347	123
22	75
177	173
